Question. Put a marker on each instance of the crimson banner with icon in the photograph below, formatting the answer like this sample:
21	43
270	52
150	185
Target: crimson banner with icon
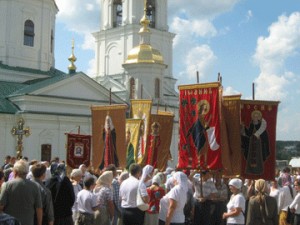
200	135
258	138
78	150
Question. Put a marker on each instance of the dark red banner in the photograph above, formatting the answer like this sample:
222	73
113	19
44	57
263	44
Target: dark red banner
78	150
199	112
258	139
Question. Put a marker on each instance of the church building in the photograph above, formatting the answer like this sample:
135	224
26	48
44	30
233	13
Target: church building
39	103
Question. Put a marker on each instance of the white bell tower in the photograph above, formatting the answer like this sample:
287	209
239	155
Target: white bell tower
28	31
119	34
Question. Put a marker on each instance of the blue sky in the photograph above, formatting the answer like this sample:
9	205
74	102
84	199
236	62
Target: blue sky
245	40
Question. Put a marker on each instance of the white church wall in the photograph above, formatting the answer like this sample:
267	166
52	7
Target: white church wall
45	129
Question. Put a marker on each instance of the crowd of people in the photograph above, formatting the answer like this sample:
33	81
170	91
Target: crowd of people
44	193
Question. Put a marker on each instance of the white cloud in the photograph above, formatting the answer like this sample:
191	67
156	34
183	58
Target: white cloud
271	55
80	17
230	91
190	29
201	59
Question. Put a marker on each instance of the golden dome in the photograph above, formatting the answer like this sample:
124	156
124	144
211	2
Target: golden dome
144	53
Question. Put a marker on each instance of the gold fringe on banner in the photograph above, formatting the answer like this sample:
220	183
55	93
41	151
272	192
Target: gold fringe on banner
195	86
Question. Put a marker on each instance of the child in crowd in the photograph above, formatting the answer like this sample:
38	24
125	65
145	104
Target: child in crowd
87	203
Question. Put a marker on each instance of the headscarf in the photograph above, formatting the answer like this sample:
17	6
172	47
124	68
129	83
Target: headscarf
236	182
156	179
261	188
147	170
182	180
105	179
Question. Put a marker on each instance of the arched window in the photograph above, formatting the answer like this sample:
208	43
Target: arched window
51	42
151	12
132	88
157	88
117	15
28	33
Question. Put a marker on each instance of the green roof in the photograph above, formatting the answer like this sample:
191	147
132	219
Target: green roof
8	89
52	72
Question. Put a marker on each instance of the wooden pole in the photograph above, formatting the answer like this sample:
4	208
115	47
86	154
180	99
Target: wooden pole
166	107
197	77
157	106
110	96
141	91
253	91
78	129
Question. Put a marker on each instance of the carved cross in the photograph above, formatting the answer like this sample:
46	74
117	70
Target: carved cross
19	131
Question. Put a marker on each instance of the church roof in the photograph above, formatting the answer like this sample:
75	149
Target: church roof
52	72
6	88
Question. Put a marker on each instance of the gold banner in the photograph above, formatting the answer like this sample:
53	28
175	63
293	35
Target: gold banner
117	114
134	141
141	109
165	120
231	136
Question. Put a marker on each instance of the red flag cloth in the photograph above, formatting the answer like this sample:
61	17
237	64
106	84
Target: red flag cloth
78	150
258	137
199	112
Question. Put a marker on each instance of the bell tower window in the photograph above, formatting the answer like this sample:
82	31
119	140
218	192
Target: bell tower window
150	12
51	42
132	88
117	9
157	88
29	33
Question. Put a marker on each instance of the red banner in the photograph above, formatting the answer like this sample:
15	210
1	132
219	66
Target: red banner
200	141
258	136
78	150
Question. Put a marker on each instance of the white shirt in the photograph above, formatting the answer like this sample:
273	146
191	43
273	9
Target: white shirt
86	201
176	194
128	192
285	198
296	204
236	201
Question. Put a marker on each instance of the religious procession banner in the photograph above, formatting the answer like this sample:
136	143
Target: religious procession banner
108	126
134	141
231	135
159	141
199	122
78	149
141	109
258	137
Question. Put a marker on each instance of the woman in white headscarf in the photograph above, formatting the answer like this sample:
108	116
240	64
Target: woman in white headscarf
172	204
146	176
104	196
155	192
236	204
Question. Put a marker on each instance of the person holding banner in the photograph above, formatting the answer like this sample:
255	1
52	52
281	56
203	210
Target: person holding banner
255	143
109	139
